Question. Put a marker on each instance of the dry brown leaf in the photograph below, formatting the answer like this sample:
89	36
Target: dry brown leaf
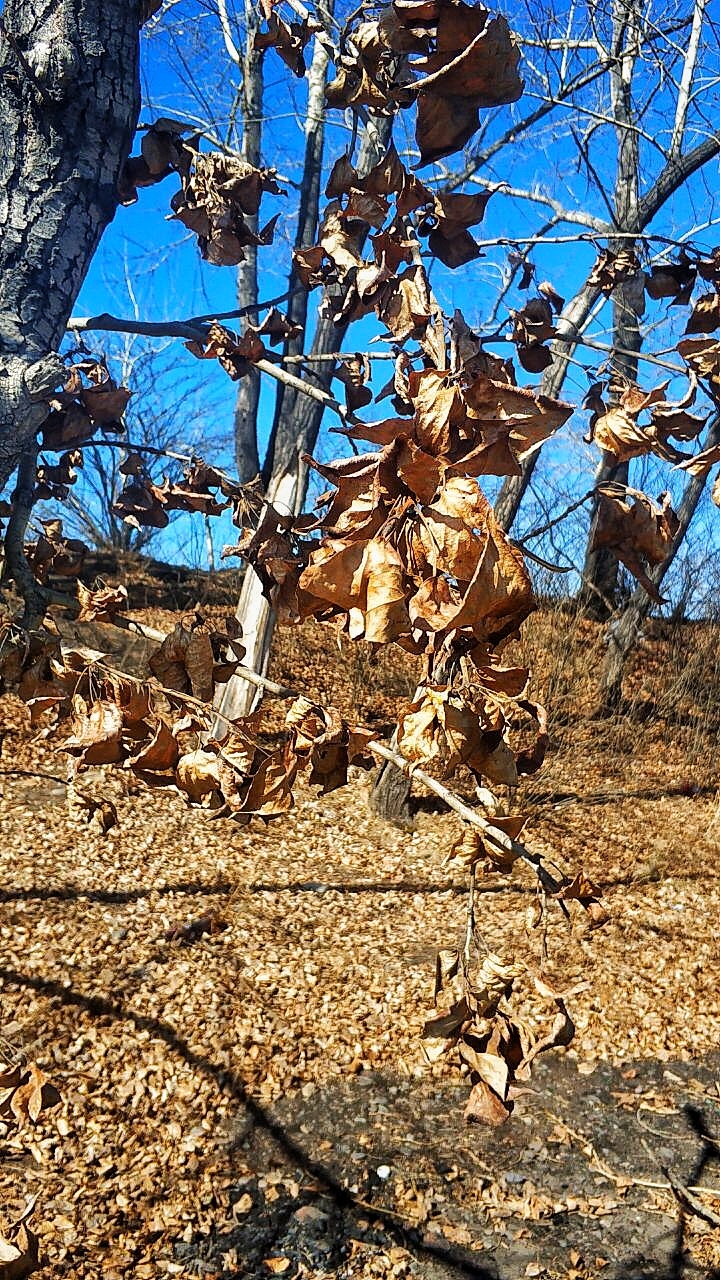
270	792
159	753
197	774
703	357
638	531
673	280
485	1107
288	39
101	605
98	732
33	1095
611	269
19	1257
705	315
219	192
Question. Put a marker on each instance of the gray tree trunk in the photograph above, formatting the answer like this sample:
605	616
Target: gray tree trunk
636	214
248	396
624	632
297	417
390	795
69	101
598	594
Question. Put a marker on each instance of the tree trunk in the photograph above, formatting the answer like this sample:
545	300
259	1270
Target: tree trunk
390	795
69	101
570	327
286	494
296	426
598	594
248	396
623	633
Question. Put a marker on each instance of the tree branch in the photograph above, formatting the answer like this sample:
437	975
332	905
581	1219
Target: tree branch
562	214
686	80
232	49
510	135
676	172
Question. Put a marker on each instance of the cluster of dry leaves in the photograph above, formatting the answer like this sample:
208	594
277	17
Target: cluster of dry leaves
322	980
404	547
25	1093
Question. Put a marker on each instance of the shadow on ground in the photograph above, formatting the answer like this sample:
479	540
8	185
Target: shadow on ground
379	1175
392	1182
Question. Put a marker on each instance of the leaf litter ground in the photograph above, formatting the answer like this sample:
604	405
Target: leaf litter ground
233	1015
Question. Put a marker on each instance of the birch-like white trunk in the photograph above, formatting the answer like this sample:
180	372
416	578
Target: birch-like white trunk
239	697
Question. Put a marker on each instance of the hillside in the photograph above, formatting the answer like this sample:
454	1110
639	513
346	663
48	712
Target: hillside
249	1097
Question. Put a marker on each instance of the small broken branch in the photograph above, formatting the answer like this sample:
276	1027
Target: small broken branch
492	835
16	568
688	1200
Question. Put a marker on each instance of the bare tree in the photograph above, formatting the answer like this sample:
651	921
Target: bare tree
168	418
296	418
653	71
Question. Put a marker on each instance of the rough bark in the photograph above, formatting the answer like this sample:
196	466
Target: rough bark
598	594
297	423
390	794
624	632
69	100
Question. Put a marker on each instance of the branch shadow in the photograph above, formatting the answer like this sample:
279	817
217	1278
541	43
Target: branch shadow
396	1229
190	888
346	1218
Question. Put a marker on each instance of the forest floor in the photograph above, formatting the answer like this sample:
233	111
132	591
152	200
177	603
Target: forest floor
255	1102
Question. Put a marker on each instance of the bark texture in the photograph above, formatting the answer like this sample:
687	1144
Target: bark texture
598	594
297	418
69	100
390	795
600	573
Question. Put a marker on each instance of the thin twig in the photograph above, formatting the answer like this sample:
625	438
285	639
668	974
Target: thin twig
329	357
499	839
688	1198
602	1168
315	393
198	333
470	925
16	568
545	528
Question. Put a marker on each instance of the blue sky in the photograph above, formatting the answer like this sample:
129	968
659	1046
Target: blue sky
149	265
